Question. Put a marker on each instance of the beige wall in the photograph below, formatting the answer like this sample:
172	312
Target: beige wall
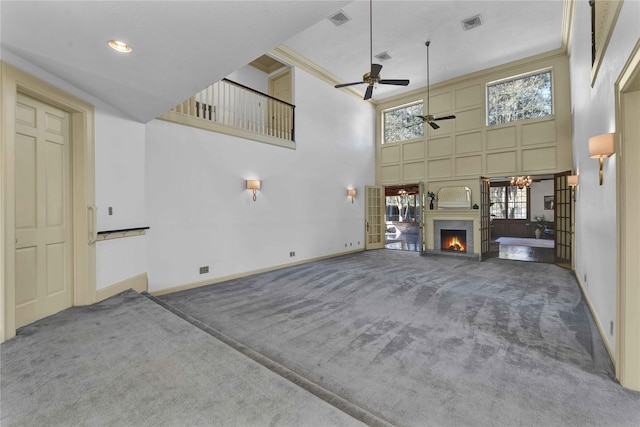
465	148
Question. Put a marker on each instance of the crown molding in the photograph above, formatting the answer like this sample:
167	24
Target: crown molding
568	16
299	61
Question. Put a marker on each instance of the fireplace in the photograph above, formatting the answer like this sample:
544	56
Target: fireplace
462	229
454	213
453	240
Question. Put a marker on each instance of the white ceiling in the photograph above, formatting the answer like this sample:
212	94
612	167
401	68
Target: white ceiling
180	47
511	30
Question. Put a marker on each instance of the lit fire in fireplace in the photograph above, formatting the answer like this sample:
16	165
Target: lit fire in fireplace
454	244
453	241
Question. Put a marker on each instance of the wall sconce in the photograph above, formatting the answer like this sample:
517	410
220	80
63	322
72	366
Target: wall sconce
572	181
253	184
351	192
602	146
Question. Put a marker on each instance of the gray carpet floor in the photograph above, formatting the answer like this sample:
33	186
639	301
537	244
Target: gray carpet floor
129	362
383	337
428	341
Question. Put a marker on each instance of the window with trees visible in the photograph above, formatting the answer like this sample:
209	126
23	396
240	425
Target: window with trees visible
520	98
509	202
401	124
403	208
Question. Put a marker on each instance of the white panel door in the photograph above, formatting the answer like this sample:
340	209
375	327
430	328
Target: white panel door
375	224
43	253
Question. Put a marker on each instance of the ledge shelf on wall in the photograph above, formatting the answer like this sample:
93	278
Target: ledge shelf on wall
123	232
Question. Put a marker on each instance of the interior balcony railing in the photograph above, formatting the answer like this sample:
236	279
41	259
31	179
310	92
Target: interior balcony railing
237	106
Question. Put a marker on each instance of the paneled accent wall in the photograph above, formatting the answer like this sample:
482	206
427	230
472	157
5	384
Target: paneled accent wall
466	148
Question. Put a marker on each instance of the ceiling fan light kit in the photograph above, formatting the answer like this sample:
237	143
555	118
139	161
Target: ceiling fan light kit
372	78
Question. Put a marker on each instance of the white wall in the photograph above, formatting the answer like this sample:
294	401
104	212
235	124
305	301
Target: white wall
537	193
594	114
251	77
200	214
119	163
120	184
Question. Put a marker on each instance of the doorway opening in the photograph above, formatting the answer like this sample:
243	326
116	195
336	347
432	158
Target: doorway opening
522	217
402	222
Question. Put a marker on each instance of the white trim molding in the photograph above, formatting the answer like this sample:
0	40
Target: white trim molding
14	81
138	283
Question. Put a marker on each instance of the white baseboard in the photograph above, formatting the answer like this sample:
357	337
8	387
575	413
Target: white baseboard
138	283
601	328
214	280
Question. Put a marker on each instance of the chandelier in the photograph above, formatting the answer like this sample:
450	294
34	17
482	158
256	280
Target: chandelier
521	181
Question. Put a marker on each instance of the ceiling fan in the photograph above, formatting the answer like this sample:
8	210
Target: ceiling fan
373	76
428	118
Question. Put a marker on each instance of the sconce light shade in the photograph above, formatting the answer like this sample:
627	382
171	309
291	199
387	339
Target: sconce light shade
572	181
602	146
351	192
253	184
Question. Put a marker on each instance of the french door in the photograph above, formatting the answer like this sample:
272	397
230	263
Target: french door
485	218
374	221
563	218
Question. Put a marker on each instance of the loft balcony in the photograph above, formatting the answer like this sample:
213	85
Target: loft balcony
232	108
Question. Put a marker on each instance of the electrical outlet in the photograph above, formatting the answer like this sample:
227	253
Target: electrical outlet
585	277
611	328
345	245
110	210
292	254
204	269
351	244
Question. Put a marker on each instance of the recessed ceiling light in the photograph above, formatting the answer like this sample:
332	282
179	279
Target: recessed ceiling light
120	46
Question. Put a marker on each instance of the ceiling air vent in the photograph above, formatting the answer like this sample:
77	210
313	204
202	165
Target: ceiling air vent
339	18
383	56
472	22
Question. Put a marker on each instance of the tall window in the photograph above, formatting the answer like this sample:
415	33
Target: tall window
509	202
401	124
520	98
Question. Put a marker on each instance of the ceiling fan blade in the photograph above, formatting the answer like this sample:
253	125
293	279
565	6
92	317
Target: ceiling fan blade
369	92
347	84
423	118
445	118
394	82
375	70
434	125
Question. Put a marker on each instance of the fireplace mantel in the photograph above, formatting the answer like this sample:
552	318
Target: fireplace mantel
472	215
